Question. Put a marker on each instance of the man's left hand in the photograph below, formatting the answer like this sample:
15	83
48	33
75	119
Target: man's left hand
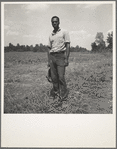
66	62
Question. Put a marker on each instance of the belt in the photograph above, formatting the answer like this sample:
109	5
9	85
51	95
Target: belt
57	52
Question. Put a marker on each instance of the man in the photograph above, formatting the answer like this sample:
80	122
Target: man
58	55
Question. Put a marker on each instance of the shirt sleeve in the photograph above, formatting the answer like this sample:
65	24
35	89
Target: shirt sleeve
66	36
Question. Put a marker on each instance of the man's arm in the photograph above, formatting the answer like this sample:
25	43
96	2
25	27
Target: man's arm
48	55
67	53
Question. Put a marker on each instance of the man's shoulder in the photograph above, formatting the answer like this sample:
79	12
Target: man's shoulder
64	31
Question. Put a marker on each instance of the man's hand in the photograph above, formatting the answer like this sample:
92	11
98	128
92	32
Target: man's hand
66	62
48	64
67	54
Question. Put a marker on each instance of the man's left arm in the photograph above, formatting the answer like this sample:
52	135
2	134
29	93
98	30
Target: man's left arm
67	53
67	44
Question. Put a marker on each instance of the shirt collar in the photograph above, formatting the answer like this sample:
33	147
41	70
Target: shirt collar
53	33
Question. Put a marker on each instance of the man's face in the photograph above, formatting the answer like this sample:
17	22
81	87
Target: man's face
55	23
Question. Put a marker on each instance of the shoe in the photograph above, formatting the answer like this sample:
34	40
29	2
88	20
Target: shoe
54	93
64	95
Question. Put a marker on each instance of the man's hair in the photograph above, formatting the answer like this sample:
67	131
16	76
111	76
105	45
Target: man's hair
55	17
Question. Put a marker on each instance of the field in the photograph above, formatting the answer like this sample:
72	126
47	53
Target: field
88	76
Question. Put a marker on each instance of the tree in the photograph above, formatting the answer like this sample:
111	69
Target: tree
11	47
27	48
18	45
94	47
31	48
99	40
41	47
36	48
110	40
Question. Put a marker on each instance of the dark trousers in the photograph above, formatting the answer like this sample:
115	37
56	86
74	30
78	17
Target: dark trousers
57	67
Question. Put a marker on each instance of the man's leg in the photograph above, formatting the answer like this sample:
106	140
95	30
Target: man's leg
54	76
62	82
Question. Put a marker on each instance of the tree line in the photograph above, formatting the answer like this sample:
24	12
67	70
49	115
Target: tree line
37	48
24	48
97	46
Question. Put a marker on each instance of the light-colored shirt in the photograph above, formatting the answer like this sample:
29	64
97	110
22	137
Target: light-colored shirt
58	40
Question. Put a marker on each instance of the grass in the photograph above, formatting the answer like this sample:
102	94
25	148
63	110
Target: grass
88	76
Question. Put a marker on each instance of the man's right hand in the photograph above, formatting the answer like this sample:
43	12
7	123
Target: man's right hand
48	65
66	63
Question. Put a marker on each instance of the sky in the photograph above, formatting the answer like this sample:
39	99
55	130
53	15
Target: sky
30	23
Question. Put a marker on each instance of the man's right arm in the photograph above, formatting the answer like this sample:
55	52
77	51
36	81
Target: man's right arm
48	52
48	55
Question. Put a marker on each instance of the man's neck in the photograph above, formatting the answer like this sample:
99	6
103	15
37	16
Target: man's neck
56	29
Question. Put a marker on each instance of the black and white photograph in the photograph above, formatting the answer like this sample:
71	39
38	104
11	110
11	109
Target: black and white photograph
58	58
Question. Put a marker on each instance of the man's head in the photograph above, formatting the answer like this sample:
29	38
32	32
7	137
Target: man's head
55	22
